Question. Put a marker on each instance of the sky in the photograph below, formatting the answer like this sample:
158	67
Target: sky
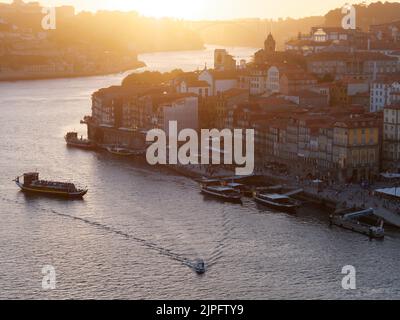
210	9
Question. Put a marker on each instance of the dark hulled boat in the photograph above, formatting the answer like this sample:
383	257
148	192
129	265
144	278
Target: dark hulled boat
72	140
222	193
278	202
32	184
199	266
363	221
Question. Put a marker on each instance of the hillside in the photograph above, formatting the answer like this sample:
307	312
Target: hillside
252	32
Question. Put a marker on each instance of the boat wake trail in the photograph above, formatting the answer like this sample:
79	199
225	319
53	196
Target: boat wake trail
145	243
227	227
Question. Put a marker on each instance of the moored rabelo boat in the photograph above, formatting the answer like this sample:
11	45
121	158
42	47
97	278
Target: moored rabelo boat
32	184
278	202
222	193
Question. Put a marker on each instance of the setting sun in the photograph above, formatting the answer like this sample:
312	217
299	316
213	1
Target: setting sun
161	8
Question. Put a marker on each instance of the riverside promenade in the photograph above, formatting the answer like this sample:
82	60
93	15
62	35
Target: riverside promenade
336	196
344	196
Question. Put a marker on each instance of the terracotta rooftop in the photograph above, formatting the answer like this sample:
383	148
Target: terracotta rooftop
364	121
348	56
308	94
170	97
224	75
234	92
196	83
299	76
311	43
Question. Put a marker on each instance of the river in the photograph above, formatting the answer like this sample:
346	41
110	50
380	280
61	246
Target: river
130	236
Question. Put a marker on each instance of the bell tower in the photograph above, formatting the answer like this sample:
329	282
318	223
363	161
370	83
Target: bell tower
270	44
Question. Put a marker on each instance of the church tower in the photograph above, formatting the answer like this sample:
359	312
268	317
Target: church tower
269	44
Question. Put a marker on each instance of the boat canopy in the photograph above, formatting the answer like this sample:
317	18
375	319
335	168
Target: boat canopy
390	175
275	196
391	192
221	189
234	185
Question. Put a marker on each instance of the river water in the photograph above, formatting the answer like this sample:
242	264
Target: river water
130	236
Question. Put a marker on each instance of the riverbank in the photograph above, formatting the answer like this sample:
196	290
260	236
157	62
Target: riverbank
22	76
332	197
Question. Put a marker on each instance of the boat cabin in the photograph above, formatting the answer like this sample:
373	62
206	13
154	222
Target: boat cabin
30	177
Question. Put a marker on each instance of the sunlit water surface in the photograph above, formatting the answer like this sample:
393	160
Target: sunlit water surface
130	236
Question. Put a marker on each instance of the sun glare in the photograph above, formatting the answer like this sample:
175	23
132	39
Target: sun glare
162	8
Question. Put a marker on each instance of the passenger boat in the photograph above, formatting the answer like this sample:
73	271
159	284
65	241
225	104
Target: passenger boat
356	220
32	184
247	191
200	266
278	202
223	193
72	140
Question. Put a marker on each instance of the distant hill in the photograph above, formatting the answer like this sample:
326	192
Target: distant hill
109	29
252	32
375	13
103	30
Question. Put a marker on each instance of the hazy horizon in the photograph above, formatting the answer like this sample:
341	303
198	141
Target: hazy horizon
209	9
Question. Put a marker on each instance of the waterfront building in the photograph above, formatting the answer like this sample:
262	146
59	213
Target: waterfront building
359	65
324	159
226	101
349	91
306	47
309	99
361	99
291	82
223	61
386	33
330	143
182	108
118	113
323	89
200	87
273	79
391	138
258	79
266	79
219	81
384	92
356	147
328	39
